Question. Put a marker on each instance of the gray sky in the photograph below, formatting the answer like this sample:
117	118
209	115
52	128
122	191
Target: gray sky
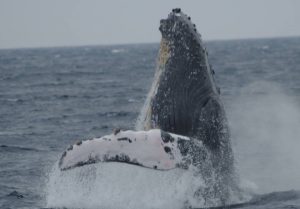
35	23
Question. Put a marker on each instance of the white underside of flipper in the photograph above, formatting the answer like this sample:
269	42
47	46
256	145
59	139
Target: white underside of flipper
145	148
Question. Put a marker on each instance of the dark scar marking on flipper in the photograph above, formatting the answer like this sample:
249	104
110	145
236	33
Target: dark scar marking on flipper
181	139
64	154
70	147
166	137
167	149
116	131
61	158
106	139
183	147
124	139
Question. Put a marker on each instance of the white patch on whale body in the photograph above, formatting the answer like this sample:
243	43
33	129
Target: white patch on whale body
145	148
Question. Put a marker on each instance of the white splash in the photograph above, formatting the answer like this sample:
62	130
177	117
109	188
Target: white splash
265	124
122	186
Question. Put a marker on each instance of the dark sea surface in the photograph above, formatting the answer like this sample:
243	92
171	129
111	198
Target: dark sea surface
51	97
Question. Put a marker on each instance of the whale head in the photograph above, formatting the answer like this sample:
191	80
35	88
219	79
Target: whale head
184	81
178	30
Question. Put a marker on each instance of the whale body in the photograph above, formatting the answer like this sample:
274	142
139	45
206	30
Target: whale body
182	123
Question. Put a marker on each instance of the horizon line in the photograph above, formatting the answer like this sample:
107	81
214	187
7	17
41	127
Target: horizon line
145	43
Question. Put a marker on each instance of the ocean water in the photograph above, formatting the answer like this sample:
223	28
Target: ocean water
51	97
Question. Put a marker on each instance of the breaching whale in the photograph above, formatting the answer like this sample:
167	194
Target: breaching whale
182	123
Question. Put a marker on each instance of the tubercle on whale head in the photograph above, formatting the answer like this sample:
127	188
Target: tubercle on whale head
178	27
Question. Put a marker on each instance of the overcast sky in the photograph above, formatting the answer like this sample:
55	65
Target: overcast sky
36	23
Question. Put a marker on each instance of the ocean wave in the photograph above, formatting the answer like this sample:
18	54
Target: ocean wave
15	194
10	148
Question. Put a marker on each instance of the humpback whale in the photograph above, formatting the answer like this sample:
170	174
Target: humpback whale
182	123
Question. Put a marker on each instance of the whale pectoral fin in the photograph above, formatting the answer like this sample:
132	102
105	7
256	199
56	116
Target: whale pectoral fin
140	148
